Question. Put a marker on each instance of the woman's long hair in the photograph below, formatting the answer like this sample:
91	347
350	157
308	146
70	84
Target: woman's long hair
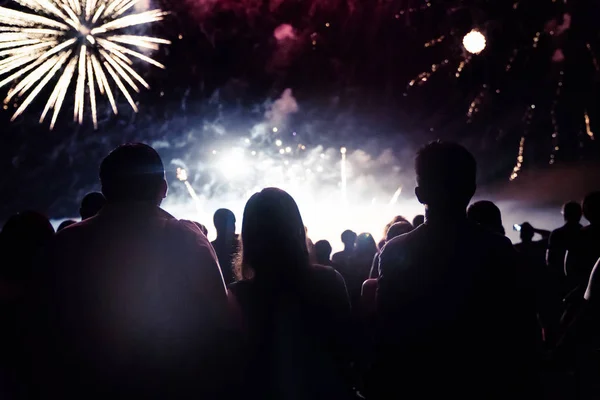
273	245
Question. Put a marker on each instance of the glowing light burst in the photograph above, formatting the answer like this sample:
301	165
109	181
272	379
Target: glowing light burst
84	42
474	42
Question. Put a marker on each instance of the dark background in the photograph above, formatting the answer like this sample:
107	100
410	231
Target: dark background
348	67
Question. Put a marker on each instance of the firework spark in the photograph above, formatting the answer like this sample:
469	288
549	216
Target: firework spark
82	41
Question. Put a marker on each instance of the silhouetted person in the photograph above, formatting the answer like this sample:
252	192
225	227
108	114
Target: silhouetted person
488	215
446	324
132	303
323	252
226	244
418	220
296	313
356	269
65	224
585	250
341	257
563	238
22	239
578	349
560	241
399	228
396	219
91	204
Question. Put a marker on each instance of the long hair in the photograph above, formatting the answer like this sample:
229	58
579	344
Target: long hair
273	244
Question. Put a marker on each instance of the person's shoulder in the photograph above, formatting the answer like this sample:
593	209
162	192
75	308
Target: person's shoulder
324	272
77	230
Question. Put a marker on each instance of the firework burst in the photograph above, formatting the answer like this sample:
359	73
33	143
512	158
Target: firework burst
84	42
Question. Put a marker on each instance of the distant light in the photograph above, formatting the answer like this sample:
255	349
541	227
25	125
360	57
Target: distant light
319	169
294	133
214	152
281	151
286	162
275	129
474	42
343	150
327	24
533	106
288	149
247	140
303	147
180	37
278	143
253	153
162	94
322	155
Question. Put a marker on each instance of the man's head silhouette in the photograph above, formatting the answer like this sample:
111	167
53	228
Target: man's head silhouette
224	221
591	208
323	251
91	204
527	232
446	174
486	214
572	212
348	238
133	172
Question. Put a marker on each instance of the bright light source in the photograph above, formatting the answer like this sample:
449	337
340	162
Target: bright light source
343	150
281	151
278	143
474	42
233	164
275	129
288	149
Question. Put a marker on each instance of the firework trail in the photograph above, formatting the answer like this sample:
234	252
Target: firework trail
81	39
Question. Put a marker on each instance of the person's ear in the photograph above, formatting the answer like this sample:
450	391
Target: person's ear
164	189
420	193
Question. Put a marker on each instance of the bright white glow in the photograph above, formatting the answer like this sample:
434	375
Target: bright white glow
288	149
343	150
278	143
474	42
233	165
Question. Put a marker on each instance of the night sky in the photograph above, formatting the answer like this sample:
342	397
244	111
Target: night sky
348	64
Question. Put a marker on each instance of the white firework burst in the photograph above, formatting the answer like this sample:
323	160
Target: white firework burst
81	41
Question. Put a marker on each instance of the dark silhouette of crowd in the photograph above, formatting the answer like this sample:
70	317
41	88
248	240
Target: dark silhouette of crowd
132	303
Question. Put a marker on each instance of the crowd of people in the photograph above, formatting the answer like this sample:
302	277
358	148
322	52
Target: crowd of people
131	302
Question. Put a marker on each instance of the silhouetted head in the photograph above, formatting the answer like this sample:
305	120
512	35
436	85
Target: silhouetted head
365	245
486	214
224	221
527	232
399	228
22	236
323	252
348	238
133	172
65	224
446	174
202	228
397	218
572	212
591	207
91	204
273	238
418	221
